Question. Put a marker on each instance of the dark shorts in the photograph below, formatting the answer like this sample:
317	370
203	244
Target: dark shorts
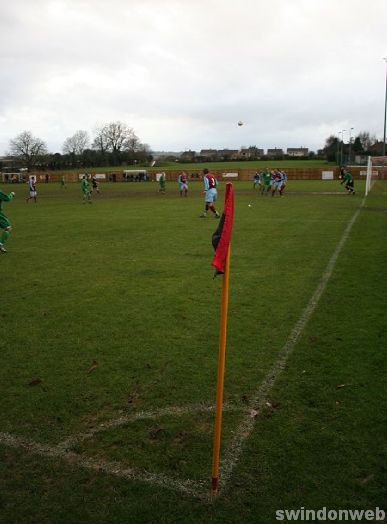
4	222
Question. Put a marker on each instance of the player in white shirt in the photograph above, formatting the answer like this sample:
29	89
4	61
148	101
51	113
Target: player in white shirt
183	184
284	179
32	189
275	182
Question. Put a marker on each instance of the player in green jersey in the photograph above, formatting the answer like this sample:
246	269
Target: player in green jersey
349	184
266	179
86	190
162	183
4	222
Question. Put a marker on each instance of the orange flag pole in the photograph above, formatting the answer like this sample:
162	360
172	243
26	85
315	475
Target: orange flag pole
220	380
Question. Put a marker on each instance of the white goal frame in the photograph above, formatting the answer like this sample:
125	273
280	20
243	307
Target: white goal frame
372	175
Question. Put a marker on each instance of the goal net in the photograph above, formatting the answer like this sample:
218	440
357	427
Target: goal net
376	170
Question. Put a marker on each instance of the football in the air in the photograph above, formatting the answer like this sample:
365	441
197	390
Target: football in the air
240	123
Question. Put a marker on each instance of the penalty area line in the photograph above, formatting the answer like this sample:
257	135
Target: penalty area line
244	430
143	415
62	451
186	486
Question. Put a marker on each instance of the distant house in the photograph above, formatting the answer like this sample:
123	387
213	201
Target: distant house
297	151
275	153
376	148
228	154
188	156
208	153
250	153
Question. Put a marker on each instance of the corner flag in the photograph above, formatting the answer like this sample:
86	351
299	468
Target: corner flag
222	237
221	240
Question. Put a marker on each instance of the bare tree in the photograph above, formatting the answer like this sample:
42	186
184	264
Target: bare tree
367	140
99	142
76	144
133	144
28	148
116	137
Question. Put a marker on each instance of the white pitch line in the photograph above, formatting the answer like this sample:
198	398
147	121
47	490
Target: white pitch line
143	415
246	427
186	486
196	489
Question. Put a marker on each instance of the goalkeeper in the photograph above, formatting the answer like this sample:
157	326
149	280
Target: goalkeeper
4	222
349	183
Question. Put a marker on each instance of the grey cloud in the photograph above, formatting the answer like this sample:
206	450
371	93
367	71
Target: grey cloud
182	73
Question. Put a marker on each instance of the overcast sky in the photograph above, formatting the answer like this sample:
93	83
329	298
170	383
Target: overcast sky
182	73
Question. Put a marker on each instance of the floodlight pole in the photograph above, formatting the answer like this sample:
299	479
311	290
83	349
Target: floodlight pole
349	145
338	149
341	151
385	113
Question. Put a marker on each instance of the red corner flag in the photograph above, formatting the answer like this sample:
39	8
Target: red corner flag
221	241
222	237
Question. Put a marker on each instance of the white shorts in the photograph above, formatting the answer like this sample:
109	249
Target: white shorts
33	194
210	196
183	187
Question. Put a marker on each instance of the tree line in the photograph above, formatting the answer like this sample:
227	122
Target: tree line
336	150
114	144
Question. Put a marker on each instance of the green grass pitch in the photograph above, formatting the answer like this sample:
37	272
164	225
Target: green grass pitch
109	342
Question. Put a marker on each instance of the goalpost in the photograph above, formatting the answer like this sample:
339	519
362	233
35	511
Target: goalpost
376	168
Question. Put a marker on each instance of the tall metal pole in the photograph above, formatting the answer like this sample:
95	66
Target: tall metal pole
338	149
385	113
341	151
349	145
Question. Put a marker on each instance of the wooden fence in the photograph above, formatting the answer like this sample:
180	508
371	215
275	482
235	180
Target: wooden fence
294	173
